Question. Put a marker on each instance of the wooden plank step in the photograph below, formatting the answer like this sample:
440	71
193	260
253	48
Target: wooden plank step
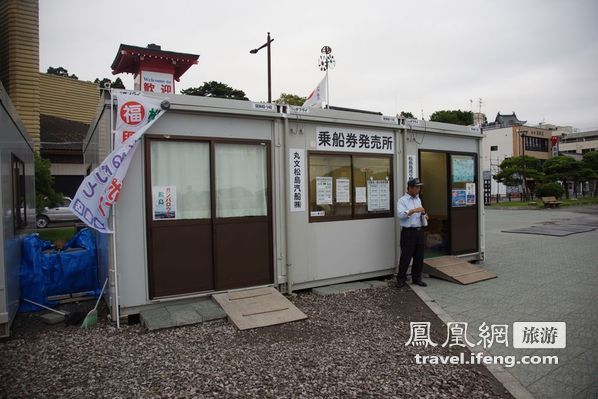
475	277
258	307
456	270
443	261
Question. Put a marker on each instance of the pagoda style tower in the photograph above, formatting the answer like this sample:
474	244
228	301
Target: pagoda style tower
155	70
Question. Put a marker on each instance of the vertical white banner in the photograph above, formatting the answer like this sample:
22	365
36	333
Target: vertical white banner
297	191
100	190
411	167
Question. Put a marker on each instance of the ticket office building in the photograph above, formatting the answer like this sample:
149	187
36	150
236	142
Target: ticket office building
263	195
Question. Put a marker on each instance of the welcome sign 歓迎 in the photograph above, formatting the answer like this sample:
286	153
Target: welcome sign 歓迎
100	189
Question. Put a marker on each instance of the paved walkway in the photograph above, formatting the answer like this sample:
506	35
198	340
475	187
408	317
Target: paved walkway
540	278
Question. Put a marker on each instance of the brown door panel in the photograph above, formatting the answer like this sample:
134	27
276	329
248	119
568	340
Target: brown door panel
181	261
464	230
243	254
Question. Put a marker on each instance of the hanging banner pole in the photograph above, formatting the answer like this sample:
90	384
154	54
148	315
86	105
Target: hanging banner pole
114	261
327	91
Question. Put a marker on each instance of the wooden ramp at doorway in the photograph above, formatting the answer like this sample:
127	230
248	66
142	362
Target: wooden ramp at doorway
457	270
258	307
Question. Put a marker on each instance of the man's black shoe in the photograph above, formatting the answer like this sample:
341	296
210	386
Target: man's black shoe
420	283
400	283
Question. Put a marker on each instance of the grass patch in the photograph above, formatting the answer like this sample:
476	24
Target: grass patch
513	204
61	234
538	203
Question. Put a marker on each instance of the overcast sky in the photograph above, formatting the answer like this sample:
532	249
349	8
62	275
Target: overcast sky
538	58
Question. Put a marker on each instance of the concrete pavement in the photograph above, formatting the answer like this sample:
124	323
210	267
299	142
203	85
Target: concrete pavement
540	278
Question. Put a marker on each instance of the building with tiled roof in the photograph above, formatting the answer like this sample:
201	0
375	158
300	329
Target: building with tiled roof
504	120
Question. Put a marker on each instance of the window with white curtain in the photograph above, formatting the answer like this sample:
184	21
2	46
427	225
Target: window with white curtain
241	180
186	167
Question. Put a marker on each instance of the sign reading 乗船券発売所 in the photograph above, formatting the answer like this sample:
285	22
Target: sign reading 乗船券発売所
354	140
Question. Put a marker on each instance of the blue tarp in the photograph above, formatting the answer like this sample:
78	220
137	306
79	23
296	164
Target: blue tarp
45	271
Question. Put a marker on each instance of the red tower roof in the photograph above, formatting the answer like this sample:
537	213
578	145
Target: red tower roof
131	59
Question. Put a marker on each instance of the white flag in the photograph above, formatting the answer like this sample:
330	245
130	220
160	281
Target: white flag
100	190
316	97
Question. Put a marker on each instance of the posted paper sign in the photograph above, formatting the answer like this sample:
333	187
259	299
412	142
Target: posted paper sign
324	190
463	170
470	189
164	200
360	195
378	195
343	190
459	198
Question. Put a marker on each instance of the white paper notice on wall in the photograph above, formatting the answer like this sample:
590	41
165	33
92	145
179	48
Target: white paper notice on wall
470	192
343	191
360	195
378	195
297	179
470	188
324	190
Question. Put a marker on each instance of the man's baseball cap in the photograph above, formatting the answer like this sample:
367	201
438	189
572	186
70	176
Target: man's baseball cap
414	182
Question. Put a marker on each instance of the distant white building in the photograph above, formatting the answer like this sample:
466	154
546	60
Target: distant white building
505	138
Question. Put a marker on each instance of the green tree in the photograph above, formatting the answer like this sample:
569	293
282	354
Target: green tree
590	161
512	171
60	71
45	196
291	99
117	84
405	114
583	175
562	168
215	89
455	117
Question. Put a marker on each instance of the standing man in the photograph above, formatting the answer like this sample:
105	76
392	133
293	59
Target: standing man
411	214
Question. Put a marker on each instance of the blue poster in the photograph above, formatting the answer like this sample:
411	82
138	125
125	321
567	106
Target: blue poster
459	198
463	169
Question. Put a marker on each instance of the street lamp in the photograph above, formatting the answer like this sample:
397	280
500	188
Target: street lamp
492	149
254	51
523	136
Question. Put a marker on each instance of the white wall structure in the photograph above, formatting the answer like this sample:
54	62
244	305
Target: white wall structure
502	142
310	247
15	147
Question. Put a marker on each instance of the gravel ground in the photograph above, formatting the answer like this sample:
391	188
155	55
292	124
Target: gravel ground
352	345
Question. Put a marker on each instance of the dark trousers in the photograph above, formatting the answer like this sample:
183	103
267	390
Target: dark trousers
412	246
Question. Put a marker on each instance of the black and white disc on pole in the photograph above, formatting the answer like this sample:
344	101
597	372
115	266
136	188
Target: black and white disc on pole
325	64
